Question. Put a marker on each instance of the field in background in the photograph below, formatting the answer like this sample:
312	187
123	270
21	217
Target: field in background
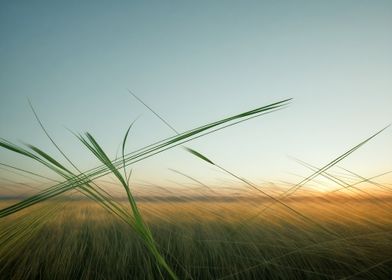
338	238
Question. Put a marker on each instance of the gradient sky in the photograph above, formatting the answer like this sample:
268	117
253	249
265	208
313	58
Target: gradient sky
196	62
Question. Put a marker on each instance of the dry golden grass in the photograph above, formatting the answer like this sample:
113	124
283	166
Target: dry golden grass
203	240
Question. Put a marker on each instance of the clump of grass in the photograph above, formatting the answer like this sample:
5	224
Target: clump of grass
84	181
137	223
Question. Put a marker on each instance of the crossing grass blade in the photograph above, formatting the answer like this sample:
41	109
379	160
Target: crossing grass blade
254	187
138	223
321	170
206	159
133	157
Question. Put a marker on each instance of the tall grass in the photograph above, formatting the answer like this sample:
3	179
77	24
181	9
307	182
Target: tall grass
233	246
83	181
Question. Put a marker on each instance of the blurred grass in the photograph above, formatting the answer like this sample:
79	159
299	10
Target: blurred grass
199	240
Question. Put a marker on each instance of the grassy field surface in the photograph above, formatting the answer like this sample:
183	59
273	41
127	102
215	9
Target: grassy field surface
342	238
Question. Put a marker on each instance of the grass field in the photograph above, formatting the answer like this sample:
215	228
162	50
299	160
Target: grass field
207	239
76	228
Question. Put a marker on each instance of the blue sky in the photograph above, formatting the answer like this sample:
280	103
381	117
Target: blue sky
195	62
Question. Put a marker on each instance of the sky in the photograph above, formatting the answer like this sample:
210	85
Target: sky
195	62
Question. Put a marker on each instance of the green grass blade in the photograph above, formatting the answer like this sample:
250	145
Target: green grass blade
139	155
